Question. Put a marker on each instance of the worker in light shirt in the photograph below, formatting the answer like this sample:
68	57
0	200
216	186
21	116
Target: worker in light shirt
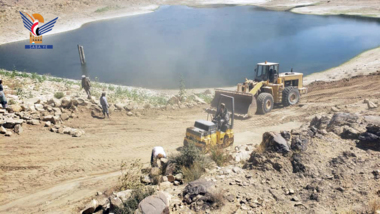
157	153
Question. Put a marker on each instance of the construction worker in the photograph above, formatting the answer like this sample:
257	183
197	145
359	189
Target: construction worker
86	84
157	153
221	117
3	99
105	106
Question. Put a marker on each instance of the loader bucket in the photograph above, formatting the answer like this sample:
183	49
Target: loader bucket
245	103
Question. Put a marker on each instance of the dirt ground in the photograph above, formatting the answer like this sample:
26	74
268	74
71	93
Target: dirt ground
54	173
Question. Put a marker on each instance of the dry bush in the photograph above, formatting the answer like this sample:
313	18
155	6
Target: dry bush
217	196
260	149
374	206
130	175
219	156
193	172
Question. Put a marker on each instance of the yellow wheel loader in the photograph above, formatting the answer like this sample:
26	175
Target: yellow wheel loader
207	134
268	87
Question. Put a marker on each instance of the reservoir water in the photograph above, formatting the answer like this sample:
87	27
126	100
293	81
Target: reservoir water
208	47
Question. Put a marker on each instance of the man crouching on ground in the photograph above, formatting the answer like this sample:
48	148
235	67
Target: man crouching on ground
157	153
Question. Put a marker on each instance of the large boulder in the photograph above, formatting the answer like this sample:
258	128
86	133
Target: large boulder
349	133
155	204
341	119
370	138
198	187
201	195
274	142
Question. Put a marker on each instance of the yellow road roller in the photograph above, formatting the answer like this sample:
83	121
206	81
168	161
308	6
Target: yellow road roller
207	134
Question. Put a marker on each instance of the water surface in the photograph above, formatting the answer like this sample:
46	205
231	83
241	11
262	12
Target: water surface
209	47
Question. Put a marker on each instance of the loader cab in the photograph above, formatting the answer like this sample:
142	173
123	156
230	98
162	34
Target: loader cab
267	71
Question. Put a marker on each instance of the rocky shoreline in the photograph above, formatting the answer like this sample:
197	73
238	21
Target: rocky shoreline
313	169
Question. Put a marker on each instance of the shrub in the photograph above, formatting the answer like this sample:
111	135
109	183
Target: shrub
12	102
132	203
130	175
182	88
59	94
188	155
111	88
13	74
218	155
205	97
217	196
191	162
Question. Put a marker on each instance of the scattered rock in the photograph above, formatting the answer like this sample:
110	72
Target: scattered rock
14	108
18	129
8	133
297	164
274	142
39	107
299	143
124	195
371	105
47	124
90	207
155	171
66	102
2	130
33	122
145	179
165	185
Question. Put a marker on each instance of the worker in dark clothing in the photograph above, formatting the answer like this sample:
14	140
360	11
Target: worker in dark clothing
86	84
105	106
222	117
3	99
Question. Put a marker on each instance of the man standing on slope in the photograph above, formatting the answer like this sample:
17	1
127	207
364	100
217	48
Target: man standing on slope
86	84
104	103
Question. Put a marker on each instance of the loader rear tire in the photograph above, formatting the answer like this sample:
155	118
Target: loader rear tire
290	96
264	103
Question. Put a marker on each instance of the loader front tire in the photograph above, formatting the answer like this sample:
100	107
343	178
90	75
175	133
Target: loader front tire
264	103
290	96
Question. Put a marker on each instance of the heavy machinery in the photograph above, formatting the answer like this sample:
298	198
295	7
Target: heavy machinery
207	134
268	87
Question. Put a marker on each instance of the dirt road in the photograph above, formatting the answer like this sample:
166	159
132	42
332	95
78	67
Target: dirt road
54	173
